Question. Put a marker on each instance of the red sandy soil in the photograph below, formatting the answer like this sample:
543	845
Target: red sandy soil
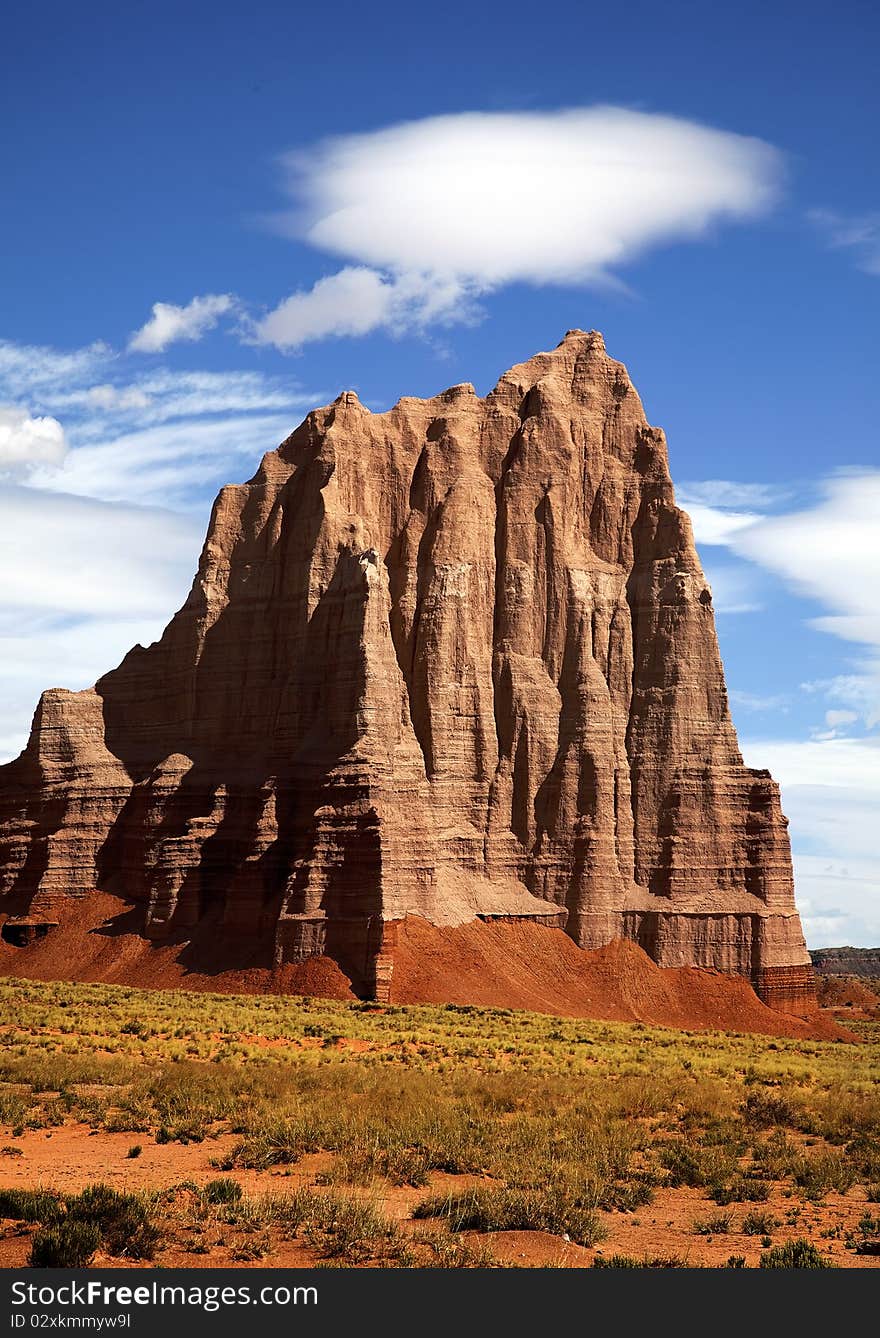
487	964
72	1156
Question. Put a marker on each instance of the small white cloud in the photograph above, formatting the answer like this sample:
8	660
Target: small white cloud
170	324
352	302
27	442
120	398
357	300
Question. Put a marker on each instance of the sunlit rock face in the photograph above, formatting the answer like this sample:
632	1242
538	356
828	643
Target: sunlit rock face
455	660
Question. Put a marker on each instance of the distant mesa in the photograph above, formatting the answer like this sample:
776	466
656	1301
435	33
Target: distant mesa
847	962
454	662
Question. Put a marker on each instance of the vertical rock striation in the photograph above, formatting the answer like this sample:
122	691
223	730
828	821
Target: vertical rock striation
455	660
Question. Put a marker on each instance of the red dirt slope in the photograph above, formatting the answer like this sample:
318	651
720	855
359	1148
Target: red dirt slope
490	964
520	965
96	941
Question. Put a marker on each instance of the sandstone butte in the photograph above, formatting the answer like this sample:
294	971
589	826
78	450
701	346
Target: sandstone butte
456	661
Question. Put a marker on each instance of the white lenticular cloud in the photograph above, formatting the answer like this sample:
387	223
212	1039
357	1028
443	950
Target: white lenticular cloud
26	442
431	213
545	197
170	324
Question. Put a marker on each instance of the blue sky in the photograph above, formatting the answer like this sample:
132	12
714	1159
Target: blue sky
260	172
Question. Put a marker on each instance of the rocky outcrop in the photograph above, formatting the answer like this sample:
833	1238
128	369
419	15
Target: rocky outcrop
457	661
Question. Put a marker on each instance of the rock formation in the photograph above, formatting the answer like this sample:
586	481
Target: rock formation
456	661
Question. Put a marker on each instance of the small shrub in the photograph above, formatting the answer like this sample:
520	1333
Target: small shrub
719	1225
765	1110
69	1244
252	1248
819	1174
348	1229
30	1205
222	1190
122	1220
697	1166
134	1151
740	1190
515	1210
795	1254
629	1261
281	1144
759	1223
626	1198
684	1165
736	1261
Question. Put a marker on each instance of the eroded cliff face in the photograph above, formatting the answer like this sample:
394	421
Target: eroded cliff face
455	660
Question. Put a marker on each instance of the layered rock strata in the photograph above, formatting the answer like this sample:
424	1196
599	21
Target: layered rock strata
457	660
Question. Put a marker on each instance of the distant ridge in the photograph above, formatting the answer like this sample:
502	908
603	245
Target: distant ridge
847	961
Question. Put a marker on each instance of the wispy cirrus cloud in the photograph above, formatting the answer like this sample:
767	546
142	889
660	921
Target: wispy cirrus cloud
859	234
28	370
826	550
172	464
89	424
829	552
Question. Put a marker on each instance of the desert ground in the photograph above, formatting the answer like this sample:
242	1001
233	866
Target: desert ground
144	1127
